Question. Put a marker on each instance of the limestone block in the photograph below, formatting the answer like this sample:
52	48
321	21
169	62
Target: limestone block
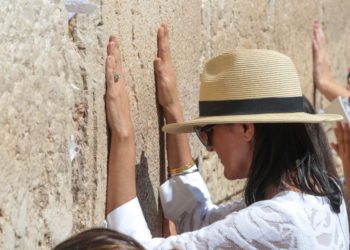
52	75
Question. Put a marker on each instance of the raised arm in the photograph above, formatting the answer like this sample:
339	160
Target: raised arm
321	69
178	149
121	186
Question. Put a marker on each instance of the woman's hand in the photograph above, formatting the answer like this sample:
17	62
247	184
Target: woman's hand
117	102
165	74
342	147
178	149
323	79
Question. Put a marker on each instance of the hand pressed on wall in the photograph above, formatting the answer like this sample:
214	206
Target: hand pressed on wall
117	101
164	72
178	150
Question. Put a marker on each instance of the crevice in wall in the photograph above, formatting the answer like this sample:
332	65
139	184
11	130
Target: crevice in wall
80	172
73	34
135	48
94	153
137	101
100	23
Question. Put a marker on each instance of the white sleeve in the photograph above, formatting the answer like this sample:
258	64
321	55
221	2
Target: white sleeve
186	201
129	219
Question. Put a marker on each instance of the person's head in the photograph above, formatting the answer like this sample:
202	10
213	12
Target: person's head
99	239
233	144
251	114
268	153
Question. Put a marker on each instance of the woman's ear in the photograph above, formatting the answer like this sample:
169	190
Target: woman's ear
249	131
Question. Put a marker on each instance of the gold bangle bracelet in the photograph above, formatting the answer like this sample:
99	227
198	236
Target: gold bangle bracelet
177	170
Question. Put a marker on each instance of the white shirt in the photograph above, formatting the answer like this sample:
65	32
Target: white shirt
290	220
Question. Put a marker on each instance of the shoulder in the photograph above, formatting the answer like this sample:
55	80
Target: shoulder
264	225
300	219
275	222
288	207
269	215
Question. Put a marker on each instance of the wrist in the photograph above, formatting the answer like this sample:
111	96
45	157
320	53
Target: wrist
323	86
125	135
173	114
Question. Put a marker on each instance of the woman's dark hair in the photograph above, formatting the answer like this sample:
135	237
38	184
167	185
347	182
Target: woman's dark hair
298	151
319	135
99	239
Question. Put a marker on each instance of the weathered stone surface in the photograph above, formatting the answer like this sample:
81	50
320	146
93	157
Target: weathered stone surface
52	89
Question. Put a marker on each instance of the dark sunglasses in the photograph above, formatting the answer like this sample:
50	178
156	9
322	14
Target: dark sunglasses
205	134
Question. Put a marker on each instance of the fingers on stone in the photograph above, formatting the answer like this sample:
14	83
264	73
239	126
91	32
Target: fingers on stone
314	43
166	30
316	32
112	38
163	42
113	49
319	34
117	55
160	38
315	39
110	65
157	63
110	48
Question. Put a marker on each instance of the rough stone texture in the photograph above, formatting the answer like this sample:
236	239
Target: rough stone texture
52	88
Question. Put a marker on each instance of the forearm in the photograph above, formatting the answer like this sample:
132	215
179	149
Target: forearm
332	89
177	145
121	186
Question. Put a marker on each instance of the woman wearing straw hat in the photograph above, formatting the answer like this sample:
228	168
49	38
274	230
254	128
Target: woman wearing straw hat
251	115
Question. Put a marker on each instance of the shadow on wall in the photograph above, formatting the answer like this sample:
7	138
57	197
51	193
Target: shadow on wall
146	196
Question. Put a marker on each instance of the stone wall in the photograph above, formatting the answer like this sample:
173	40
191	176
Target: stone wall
52	97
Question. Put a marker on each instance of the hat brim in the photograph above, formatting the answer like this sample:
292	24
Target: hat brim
300	117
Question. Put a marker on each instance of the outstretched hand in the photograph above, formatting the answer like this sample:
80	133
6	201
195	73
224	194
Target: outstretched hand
117	101
165	74
321	68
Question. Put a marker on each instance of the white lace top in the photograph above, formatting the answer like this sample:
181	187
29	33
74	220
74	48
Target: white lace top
289	220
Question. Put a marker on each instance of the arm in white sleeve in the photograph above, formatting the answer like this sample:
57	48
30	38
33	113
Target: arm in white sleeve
129	219
186	201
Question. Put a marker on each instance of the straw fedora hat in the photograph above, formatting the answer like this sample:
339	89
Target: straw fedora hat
250	86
